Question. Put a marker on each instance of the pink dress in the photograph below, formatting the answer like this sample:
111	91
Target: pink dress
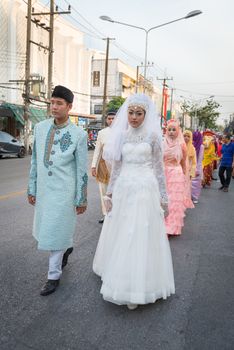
175	183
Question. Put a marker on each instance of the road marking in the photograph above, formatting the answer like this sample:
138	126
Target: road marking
13	194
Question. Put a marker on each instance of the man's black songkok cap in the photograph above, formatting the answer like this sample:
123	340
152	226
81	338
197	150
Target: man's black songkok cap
63	92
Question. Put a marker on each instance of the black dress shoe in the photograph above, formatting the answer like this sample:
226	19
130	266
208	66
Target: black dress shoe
214	178
101	221
221	187
65	256
49	287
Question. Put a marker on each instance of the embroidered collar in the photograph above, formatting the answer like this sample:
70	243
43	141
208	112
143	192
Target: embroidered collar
61	126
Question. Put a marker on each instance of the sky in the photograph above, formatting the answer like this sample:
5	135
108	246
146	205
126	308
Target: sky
198	53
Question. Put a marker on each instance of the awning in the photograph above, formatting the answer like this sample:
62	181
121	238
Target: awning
82	115
35	114
17	110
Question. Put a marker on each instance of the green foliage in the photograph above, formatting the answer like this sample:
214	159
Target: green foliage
206	114
229	126
115	103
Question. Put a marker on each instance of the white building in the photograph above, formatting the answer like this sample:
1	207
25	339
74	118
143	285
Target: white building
121	81
72	61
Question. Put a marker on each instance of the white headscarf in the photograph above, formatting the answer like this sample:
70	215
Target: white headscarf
120	127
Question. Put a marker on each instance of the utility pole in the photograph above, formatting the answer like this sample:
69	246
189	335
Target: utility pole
50	56
50	49
27	79
105	80
137	79
147	65
172	90
163	93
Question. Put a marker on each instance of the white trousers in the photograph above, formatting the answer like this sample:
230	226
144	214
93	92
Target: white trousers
102	189
55	264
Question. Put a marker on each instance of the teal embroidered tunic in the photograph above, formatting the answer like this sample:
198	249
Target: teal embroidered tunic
58	179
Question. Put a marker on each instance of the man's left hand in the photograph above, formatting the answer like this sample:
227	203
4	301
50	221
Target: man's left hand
80	210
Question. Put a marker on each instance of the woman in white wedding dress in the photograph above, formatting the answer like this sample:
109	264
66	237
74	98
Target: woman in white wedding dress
133	256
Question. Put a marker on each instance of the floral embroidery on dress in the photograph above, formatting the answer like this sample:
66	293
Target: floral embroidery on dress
48	145
83	197
65	141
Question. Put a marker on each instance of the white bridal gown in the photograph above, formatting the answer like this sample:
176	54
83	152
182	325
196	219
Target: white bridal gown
133	256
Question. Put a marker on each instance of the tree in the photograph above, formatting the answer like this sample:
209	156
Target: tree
115	103
207	115
229	125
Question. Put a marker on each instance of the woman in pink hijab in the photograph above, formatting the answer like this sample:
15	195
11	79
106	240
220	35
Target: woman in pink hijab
175	153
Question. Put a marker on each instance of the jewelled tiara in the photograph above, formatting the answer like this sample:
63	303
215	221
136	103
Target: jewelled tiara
138	105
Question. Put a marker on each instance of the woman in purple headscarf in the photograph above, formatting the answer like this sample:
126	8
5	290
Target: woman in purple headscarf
196	181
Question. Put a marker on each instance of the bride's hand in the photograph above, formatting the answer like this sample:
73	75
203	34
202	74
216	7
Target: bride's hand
165	209
108	203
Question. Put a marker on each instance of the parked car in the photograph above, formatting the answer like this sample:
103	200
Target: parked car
10	145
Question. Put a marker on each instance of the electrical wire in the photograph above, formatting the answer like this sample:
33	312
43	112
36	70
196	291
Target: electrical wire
116	44
207	83
90	24
10	87
204	94
93	34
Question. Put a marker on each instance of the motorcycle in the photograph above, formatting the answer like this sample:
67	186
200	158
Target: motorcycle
91	145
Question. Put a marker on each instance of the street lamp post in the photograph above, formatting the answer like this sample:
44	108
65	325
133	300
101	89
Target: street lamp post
189	15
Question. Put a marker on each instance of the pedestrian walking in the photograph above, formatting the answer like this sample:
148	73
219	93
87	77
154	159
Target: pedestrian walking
227	163
133	256
99	167
57	183
208	159
175	154
197	180
191	163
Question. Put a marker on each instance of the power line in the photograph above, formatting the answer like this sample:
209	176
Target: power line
10	87
127	53
91	25
116	44
208	83
204	94
93	34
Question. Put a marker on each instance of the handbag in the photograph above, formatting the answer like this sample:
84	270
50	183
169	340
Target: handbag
103	174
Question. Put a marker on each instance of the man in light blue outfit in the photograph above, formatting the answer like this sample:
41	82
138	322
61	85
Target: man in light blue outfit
57	183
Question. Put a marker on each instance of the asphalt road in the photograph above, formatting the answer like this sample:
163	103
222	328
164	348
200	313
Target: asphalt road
200	316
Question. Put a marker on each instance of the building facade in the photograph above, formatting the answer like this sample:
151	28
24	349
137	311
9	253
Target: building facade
71	62
122	80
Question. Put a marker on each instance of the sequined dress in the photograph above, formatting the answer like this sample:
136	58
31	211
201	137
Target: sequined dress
133	256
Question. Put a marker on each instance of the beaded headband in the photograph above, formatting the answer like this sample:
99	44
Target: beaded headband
138	105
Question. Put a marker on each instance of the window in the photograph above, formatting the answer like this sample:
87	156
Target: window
96	78
97	109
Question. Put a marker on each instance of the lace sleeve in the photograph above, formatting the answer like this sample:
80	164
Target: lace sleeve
158	167
115	171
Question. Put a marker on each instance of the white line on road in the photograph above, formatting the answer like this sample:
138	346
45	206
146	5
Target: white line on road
13	194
